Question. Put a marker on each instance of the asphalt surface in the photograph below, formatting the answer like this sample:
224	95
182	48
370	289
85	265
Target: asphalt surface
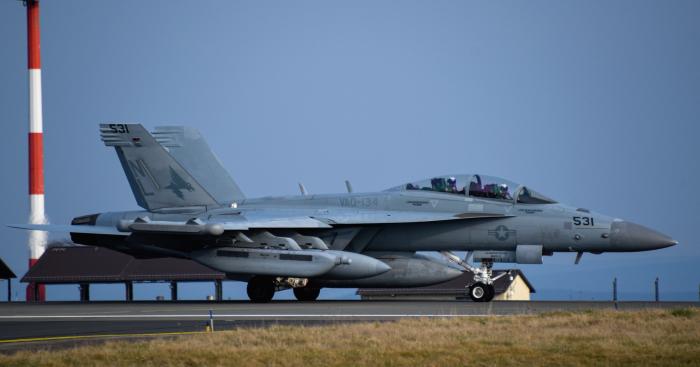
62	324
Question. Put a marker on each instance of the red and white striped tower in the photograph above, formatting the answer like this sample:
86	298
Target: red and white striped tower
37	240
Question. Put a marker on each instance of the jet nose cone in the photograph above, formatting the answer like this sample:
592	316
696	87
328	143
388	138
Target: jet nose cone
628	236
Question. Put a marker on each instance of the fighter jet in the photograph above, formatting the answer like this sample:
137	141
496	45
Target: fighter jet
193	209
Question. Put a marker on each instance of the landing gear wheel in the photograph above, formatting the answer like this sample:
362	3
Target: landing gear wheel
479	292
261	289
306	293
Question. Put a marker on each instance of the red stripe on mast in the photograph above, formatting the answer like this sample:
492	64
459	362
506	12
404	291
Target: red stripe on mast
36	163
33	38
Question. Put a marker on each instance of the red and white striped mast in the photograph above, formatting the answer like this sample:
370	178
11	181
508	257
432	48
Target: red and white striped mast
37	239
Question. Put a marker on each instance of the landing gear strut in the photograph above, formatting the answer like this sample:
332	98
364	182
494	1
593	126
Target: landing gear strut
261	289
482	289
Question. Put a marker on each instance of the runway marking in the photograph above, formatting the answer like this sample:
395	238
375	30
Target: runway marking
245	316
96	336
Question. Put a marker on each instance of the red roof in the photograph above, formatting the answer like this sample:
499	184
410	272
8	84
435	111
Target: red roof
75	264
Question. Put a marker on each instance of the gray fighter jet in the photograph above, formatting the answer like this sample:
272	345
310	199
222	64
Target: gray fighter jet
193	209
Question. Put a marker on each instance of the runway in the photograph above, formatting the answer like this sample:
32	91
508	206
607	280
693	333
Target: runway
67	323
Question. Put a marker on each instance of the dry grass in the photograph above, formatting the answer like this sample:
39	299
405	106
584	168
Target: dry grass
651	338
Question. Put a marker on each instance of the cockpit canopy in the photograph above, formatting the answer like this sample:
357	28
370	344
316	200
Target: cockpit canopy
480	186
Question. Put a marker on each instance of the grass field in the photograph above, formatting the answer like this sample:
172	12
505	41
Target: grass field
608	338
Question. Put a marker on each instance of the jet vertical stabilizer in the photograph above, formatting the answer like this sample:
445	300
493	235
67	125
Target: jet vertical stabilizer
156	178
189	148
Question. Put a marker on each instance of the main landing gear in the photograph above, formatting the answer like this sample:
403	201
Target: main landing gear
261	289
307	293
482	289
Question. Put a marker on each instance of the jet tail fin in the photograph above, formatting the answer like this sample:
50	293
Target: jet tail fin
156	178
191	150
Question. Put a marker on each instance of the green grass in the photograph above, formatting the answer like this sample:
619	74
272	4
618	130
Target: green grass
683	312
591	338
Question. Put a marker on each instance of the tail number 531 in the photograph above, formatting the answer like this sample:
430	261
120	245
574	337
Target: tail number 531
119	128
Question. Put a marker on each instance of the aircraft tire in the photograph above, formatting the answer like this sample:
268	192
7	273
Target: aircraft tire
478	292
306	293
260	289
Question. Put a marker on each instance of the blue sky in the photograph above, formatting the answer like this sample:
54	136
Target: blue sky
593	103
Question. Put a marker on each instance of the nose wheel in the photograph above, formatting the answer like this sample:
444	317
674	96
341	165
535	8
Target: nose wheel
480	292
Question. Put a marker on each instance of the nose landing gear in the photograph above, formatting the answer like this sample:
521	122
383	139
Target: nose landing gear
482	289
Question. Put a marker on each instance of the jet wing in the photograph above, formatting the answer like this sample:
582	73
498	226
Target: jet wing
179	227
262	219
70	228
326	218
